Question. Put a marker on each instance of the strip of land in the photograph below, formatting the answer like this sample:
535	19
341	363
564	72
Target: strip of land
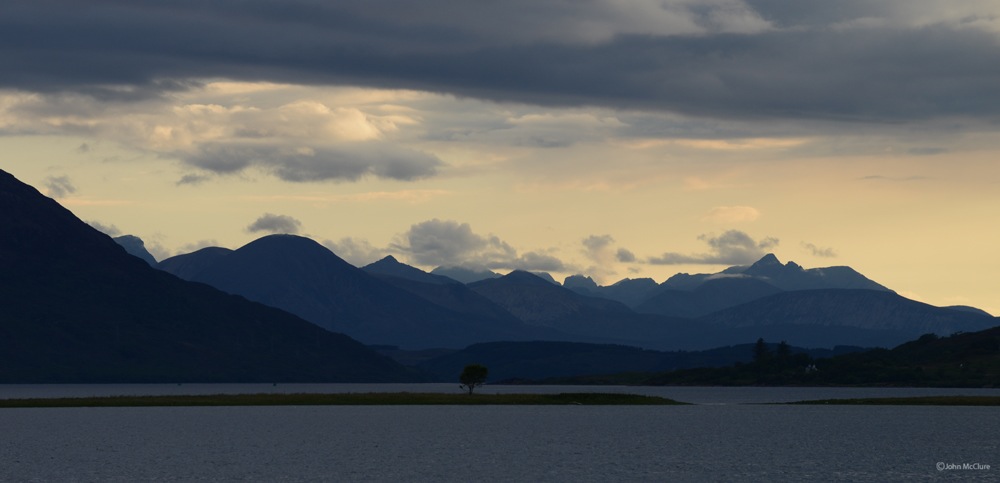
912	401
345	399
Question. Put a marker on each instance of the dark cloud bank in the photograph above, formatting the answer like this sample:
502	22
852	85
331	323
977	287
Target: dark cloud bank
805	65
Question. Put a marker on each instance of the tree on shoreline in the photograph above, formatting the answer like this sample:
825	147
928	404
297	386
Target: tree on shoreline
761	354
473	375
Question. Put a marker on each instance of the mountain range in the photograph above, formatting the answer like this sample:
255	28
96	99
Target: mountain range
75	307
391	303
300	276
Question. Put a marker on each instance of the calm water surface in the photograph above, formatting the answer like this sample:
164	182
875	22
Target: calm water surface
719	440
697	395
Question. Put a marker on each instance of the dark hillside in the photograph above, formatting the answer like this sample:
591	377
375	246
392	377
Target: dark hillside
77	308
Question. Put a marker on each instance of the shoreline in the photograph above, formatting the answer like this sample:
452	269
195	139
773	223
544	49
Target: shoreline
343	399
908	401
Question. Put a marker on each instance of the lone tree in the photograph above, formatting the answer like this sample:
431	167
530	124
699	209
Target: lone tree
761	354
473	375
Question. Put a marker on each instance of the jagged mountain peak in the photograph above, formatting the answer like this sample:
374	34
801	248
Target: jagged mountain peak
767	260
390	266
580	281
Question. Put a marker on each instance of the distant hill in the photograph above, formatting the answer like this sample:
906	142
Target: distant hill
685	295
448	293
391	267
581	284
536	300
77	308
190	265
391	303
539	303
465	275
135	247
629	291
789	276
808	317
546	276
534	361
710	296
966	308
301	276
969	359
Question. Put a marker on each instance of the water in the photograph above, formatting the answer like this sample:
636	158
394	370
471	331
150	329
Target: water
697	395
720	441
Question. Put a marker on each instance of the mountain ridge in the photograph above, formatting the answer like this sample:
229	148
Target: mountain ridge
301	276
78	308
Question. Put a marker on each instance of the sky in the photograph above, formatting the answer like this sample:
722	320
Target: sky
611	138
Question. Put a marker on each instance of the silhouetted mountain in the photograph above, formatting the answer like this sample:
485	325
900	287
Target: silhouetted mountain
189	265
465	275
392	267
135	247
535	300
307	279
581	284
77	308
710	296
966	308
587	319
445	292
789	276
546	276
822	318
629	291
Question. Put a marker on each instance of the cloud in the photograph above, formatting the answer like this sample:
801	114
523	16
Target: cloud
597	243
227	127
819	252
733	247
736	59
878	177
624	256
444	242
348	163
192	179
110	230
732	214
275	224
59	186
927	151
600	250
157	250
356	251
